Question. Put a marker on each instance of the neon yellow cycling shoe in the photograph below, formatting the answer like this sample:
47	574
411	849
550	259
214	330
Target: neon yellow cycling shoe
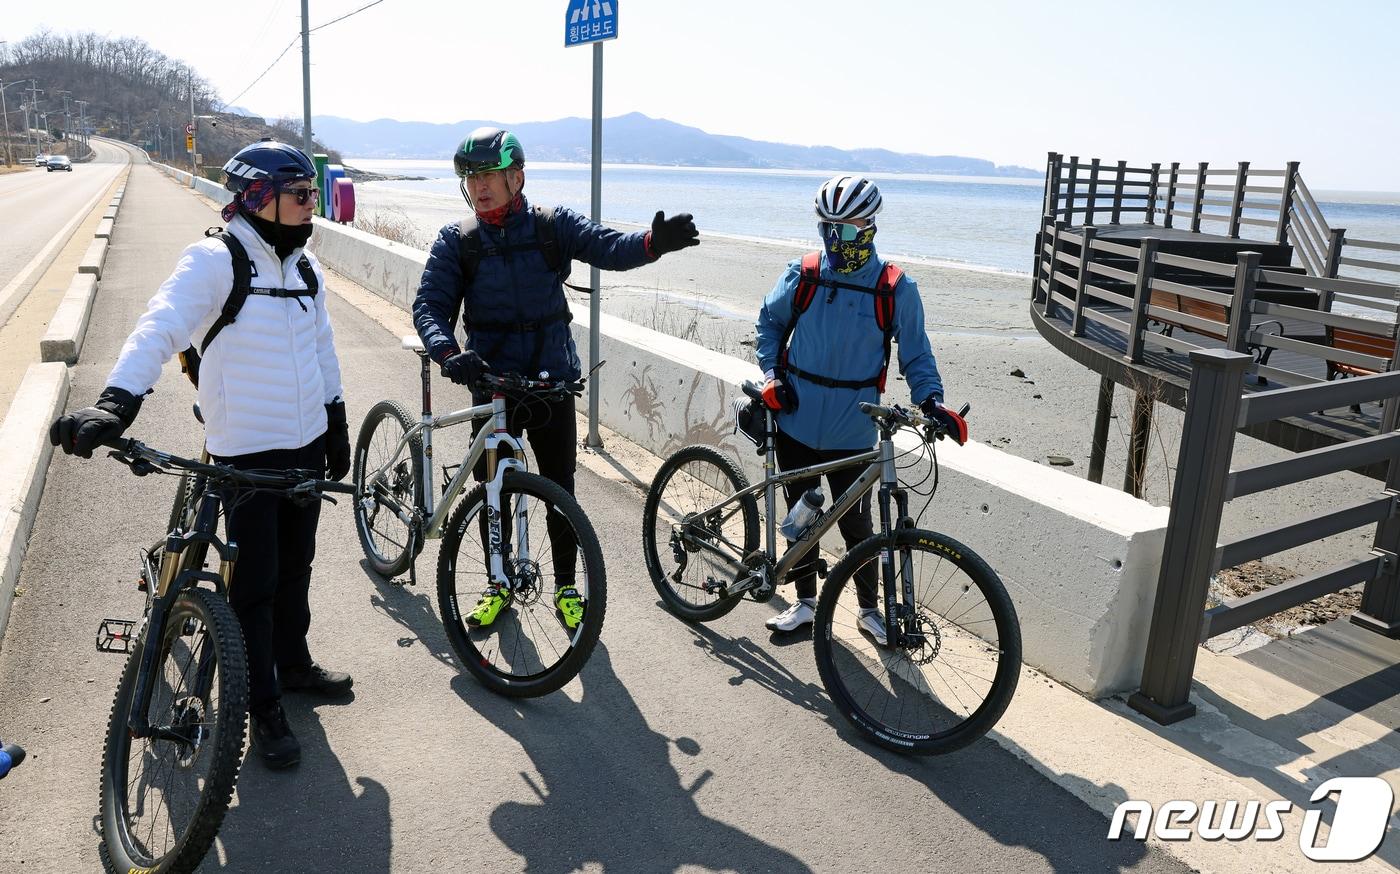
568	607
493	601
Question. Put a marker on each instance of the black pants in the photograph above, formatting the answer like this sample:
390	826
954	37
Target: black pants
855	525
276	544
553	434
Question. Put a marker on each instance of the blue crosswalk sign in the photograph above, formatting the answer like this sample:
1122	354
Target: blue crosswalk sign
590	21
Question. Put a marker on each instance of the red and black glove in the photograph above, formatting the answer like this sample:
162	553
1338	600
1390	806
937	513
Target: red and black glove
779	396
948	422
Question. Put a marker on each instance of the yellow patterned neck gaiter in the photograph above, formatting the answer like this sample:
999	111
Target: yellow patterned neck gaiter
848	256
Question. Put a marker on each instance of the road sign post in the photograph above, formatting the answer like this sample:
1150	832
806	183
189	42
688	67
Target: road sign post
593	21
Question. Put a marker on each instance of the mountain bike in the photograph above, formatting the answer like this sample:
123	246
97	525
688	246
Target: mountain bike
517	531
946	666
175	736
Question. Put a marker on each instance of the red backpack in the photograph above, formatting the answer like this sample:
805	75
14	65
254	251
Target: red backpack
883	293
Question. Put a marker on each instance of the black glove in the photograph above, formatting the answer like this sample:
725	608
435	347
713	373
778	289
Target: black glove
951	423
79	432
464	368
673	234
337	441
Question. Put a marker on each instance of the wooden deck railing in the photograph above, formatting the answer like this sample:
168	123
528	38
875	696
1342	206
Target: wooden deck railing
1067	281
1087	192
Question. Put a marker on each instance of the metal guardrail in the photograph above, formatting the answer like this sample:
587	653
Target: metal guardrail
1216	408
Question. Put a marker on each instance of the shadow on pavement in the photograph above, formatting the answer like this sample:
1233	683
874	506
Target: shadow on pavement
610	796
988	786
310	818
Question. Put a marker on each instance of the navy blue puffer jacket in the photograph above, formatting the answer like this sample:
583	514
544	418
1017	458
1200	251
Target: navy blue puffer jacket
516	288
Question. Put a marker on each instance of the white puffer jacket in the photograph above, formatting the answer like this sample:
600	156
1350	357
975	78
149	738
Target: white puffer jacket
265	380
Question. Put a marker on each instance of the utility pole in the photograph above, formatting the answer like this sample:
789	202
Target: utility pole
82	126
33	104
194	128
9	155
305	78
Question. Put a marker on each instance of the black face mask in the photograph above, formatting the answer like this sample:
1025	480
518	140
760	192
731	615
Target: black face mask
284	239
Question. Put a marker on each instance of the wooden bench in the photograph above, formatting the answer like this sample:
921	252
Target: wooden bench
1217	314
1380	345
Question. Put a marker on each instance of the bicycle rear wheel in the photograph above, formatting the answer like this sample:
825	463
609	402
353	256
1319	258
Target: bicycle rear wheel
390	544
948	686
548	545
676	537
163	800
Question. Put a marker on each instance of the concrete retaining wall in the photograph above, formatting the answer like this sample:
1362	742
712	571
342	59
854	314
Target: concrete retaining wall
25	435
1080	560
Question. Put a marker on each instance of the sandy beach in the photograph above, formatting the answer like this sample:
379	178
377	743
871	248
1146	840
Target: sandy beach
979	325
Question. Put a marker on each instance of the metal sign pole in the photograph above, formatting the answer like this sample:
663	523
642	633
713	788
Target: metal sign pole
595	441
305	79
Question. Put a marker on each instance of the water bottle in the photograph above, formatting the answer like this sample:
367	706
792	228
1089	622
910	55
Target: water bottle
801	516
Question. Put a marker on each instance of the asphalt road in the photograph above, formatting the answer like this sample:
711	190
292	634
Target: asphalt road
36	204
680	748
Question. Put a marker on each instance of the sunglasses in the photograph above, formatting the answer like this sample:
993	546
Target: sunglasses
845	231
302	195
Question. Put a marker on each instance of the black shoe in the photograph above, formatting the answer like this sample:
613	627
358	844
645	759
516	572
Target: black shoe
274	739
315	679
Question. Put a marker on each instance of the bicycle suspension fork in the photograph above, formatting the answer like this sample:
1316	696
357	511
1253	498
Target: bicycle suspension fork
895	610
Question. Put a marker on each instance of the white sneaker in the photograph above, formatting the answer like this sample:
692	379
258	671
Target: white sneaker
799	614
873	624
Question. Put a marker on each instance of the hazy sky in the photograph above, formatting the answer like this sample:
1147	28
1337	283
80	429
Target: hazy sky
1219	81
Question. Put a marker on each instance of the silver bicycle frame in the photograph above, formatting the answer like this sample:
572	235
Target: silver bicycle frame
487	443
880	467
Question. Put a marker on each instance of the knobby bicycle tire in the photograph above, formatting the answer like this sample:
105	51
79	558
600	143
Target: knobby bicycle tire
121	849
661	564
464	521
952	632
385	560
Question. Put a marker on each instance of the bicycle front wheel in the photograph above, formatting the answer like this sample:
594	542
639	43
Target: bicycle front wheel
680	540
537	639
951	678
388	488
163	797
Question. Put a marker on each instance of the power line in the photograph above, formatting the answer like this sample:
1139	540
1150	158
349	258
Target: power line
294	41
345	16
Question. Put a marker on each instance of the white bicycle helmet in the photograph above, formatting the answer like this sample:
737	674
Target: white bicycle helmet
842	198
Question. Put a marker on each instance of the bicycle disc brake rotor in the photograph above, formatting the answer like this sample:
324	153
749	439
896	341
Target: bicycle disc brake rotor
187	720
524	581
925	650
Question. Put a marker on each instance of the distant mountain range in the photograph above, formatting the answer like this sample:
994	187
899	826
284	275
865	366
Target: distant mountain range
637	139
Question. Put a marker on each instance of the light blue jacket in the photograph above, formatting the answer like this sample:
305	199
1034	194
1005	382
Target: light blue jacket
838	338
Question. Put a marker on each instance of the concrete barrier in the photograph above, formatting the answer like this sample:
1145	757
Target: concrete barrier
25	435
94	257
63	341
104	229
215	192
391	270
111	212
1080	560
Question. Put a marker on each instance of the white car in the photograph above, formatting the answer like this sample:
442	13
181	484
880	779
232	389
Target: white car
41	160
59	162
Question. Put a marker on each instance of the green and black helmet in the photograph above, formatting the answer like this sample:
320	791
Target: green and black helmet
486	149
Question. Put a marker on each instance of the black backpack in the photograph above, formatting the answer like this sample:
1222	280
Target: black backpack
242	287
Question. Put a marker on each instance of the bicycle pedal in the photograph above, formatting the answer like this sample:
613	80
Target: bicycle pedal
116	635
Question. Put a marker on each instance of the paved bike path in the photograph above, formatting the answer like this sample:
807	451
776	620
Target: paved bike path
679	747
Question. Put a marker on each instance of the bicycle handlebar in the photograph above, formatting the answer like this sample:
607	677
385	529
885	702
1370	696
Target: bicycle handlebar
508	382
901	416
11	756
143	459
